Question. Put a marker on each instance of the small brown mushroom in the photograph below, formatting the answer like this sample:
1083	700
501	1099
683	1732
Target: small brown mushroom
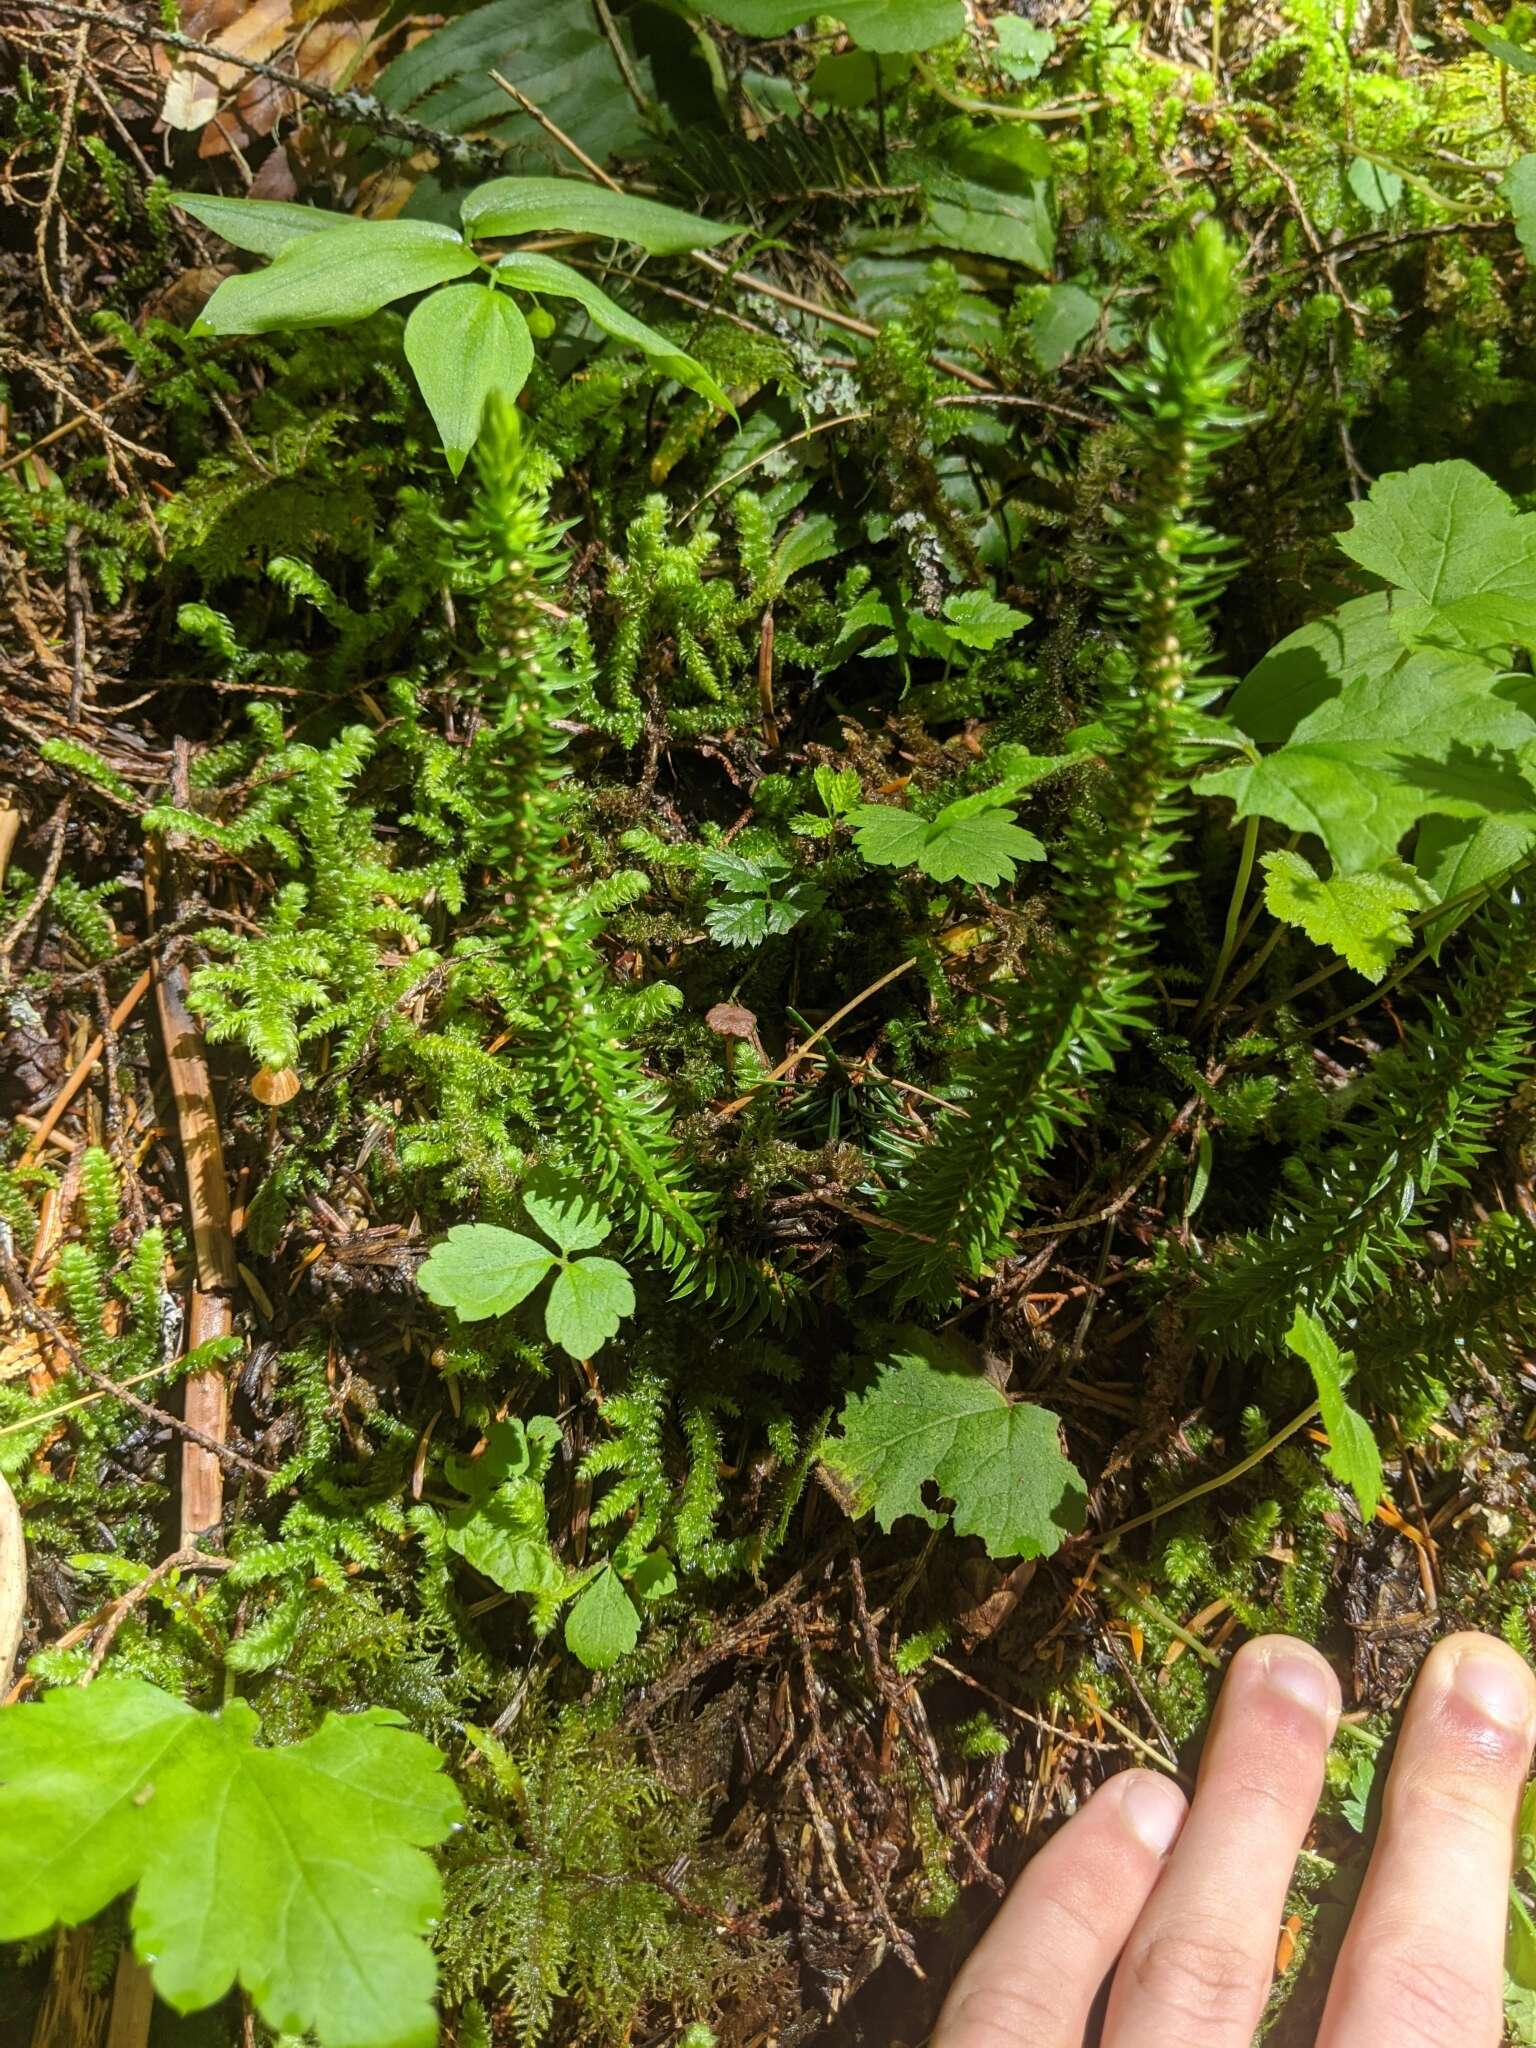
275	1085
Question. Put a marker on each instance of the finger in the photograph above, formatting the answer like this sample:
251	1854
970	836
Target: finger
1423	1963
1032	1979
1197	1967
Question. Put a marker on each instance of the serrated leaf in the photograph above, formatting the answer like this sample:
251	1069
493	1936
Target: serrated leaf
1357	643
481	1270
565	1212
465	344
343	275
261	225
588	1301
503	1529
976	619
1384	751
971	840
530	272
1352	1456
604	1624
526	206
838	788
932	1419
297	1872
1360	917
1447	535
1014	227
738	921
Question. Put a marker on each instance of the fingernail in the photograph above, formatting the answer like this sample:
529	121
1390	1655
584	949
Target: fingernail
1154	1813
1306	1681
1495	1689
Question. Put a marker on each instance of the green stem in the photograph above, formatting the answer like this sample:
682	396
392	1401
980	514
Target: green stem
1234	915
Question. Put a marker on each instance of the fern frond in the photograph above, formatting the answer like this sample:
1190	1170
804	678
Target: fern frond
949	1214
1432	1109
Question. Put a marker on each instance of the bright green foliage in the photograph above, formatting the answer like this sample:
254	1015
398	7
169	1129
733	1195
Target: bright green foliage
482	1270
886	26
932	1417
296	1872
1352	1455
761	896
972	839
551	1890
503	1531
1427	1120
1400	707
1361	917
959	1191
464	346
602	1104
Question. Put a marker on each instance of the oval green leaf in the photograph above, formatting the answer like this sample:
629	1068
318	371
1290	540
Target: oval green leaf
464	344
480	1270
525	206
261	225
530	272
344	274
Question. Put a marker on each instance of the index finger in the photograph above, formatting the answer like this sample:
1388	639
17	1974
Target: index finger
1423	1962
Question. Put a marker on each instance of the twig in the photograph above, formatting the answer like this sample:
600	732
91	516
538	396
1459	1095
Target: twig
792	1060
360	107
1206	1486
556	134
210	1308
31	1313
18	930
84	1067
188	1558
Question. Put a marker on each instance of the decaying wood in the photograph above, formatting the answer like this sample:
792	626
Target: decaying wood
210	1310
72	2015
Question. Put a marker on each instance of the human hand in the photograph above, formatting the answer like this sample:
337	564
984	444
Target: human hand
1183	1903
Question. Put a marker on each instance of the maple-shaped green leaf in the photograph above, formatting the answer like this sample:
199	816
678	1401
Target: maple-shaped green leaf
1358	916
481	1270
1386	750
1352	1456
502	1530
933	1419
976	619
1358	642
298	1872
604	1624
971	840
1448	536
